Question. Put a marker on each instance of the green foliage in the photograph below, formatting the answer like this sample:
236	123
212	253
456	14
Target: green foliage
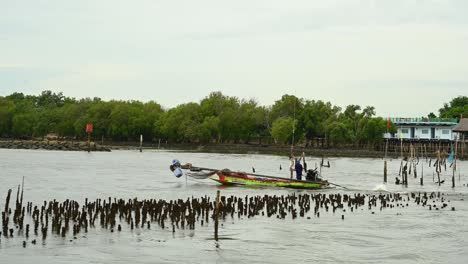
226	109
455	109
373	130
251	120
315	117
217	118
49	99
7	109
282	129
182	123
287	106
338	132
23	125
357	122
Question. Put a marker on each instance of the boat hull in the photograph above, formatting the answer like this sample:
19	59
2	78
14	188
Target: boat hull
239	178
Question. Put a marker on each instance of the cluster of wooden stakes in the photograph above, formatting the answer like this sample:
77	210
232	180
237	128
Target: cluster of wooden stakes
409	165
69	219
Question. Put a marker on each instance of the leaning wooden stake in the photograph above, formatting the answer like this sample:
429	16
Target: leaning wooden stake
5	215
217	215
438	167
7	201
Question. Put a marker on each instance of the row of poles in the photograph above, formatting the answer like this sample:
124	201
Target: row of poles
69	218
140	147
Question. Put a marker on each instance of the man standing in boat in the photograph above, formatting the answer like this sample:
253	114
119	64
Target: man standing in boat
299	168
295	165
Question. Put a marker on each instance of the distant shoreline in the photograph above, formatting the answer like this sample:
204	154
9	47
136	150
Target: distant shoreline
52	145
281	150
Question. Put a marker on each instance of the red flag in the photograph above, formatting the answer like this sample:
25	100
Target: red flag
89	128
388	123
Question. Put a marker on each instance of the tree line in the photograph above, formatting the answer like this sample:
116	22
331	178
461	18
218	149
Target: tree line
215	119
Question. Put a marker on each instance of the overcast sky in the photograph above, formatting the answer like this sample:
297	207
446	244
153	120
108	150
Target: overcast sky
406	58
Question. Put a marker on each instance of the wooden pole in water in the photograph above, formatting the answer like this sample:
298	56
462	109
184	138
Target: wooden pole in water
406	178
385	172
401	147
438	166
386	148
5	215
217	215
385	162
422	173
141	143
454	163
463	146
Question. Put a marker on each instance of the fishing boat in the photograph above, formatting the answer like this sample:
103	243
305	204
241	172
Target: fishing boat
227	177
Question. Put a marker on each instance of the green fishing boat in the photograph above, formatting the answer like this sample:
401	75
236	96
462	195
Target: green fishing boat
227	177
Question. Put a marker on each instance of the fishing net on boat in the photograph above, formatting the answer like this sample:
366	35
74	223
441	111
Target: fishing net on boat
200	174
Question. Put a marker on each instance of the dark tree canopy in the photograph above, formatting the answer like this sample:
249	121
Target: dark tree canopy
217	118
455	109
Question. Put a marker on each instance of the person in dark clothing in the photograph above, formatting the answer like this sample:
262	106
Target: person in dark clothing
299	168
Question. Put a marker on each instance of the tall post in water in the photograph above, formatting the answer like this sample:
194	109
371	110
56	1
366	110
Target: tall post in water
141	143
422	173
293	128
385	162
425	152
438	166
386	148
5	215
321	165
291	156
454	163
463	146
462	134
401	147
216	215
385	172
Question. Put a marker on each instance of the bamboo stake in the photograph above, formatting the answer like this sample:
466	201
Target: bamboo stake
454	163
217	215
438	166
385	171
141	143
422	173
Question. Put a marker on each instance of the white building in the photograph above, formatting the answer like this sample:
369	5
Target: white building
423	128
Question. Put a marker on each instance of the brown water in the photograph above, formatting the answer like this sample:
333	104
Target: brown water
412	234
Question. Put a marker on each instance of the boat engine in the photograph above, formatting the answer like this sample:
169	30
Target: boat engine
312	175
175	168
